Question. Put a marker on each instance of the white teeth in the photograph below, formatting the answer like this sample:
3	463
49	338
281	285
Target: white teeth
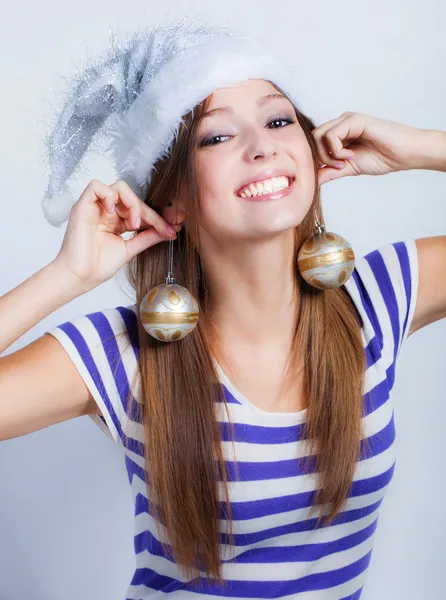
274	184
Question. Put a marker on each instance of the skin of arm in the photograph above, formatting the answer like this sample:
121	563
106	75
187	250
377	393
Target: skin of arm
37	297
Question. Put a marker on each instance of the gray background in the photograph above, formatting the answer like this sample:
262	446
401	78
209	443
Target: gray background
65	504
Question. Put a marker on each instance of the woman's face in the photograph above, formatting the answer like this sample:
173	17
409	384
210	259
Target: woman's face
247	136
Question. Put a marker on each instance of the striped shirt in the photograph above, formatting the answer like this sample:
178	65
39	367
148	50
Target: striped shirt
278	551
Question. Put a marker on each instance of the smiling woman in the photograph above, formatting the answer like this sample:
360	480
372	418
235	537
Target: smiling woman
256	137
259	448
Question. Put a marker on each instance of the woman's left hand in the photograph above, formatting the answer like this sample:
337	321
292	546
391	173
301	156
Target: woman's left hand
377	146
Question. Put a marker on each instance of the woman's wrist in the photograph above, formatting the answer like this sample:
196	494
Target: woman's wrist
67	285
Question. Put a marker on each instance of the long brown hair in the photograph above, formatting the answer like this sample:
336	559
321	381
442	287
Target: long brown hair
179	385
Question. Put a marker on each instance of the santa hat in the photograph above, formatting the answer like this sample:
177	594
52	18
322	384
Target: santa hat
135	96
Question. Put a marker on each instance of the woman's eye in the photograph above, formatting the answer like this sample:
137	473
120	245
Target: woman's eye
287	121
211	141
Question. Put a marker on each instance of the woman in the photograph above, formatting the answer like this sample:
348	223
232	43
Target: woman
265	436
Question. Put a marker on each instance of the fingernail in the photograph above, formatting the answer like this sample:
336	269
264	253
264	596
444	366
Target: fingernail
170	229
138	222
339	165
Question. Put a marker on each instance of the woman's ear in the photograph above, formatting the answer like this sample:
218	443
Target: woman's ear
180	205
175	214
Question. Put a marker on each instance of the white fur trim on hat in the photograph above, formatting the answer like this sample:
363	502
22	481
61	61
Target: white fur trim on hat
144	134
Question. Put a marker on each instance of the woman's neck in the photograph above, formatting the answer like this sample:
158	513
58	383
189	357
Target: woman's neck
253	293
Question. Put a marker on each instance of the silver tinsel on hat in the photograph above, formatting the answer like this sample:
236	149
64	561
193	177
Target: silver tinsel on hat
130	101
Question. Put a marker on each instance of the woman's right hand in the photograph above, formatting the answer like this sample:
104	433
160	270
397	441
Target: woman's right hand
93	249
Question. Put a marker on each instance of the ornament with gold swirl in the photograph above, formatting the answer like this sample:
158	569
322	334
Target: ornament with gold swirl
326	260
169	312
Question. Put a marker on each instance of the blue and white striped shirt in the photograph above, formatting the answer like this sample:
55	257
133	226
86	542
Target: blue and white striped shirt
278	552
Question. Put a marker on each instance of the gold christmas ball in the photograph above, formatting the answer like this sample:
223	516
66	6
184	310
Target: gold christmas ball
169	312
326	260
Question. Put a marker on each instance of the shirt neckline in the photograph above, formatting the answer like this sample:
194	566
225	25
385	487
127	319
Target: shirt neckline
296	416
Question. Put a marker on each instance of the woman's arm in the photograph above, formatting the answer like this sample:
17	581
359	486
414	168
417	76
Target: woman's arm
34	299
39	385
430	154
379	147
431	299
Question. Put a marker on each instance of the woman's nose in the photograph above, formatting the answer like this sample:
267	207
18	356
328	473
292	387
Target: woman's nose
260	146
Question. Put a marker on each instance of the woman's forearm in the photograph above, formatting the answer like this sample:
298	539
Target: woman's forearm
34	299
431	150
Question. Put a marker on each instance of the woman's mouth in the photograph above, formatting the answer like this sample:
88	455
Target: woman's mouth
269	189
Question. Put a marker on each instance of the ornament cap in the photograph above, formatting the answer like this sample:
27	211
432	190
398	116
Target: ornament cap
319	228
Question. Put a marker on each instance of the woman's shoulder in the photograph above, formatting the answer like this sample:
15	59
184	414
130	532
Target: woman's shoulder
383	287
101	326
104	342
103	346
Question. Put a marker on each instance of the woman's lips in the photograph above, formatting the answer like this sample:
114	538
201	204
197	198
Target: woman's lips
270	195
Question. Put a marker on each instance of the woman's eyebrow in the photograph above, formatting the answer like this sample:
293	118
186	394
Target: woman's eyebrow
260	102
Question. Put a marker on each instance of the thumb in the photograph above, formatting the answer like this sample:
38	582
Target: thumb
326	174
143	240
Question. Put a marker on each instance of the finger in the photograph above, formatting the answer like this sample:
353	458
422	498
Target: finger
323	152
128	205
140	208
319	131
143	240
128	225
135	217
334	141
325	143
150	216
99	193
341	134
327	174
127	221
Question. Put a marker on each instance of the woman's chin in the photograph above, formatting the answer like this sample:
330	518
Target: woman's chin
282	221
258	226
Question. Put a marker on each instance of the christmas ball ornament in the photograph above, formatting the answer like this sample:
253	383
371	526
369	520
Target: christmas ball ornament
326	260
169	312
